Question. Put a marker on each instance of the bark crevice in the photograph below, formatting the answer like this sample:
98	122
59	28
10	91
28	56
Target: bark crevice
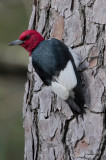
51	131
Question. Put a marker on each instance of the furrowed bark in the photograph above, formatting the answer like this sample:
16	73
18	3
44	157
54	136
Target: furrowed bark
51	132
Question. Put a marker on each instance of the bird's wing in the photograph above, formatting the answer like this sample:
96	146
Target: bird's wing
51	57
56	67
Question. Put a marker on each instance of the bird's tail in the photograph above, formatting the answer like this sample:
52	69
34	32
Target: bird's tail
77	109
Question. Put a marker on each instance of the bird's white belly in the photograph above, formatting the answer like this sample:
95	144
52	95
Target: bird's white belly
67	77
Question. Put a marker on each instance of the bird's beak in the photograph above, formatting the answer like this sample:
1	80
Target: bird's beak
16	42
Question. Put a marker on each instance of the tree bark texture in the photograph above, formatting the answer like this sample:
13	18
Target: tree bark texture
51	132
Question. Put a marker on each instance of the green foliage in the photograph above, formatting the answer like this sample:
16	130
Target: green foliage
13	21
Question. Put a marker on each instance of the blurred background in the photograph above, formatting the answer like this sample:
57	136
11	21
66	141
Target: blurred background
14	18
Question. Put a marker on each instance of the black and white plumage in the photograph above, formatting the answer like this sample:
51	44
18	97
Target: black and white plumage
56	65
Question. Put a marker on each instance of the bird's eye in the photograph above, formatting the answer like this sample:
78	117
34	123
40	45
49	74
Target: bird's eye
27	37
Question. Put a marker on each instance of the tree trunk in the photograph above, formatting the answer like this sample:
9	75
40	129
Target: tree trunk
51	132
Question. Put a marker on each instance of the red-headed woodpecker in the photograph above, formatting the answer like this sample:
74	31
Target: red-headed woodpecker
56	65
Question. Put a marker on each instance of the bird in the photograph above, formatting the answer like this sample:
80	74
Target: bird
57	66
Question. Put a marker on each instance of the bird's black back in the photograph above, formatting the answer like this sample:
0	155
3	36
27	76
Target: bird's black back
50	57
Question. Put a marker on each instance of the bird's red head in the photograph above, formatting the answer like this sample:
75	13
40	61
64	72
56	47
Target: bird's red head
29	39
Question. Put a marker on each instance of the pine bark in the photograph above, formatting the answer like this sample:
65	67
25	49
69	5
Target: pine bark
51	132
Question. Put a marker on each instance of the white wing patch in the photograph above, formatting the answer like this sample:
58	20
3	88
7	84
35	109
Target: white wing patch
65	82
67	77
60	90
